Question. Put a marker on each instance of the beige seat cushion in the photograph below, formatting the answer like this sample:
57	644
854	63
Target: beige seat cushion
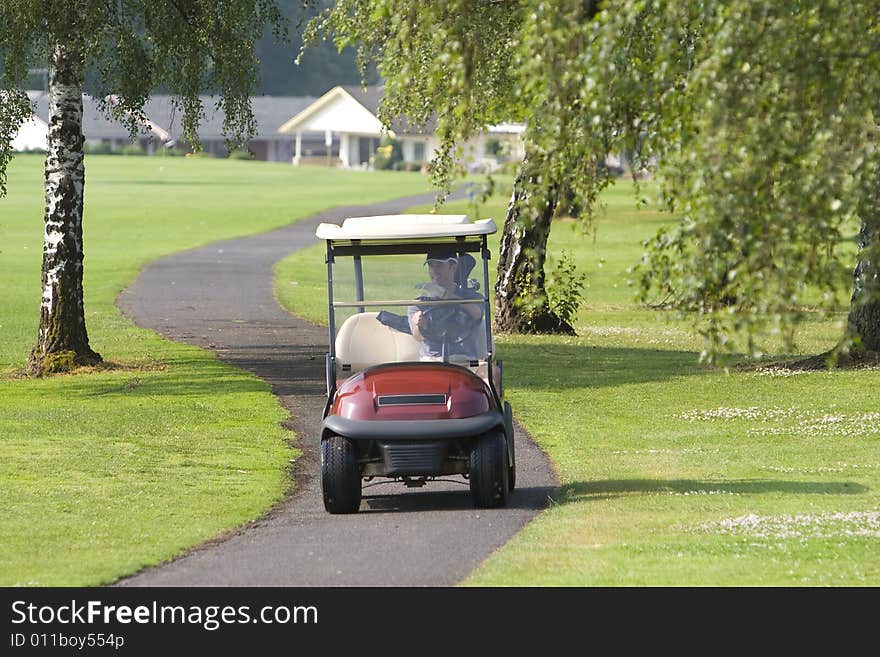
363	341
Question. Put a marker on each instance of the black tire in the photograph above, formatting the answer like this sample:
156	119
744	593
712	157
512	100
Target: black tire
511	470
340	475
508	427
488	470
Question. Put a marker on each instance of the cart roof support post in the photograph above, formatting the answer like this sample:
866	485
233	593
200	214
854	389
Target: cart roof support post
331	319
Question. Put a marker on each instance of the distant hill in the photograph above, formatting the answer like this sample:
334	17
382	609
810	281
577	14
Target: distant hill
322	67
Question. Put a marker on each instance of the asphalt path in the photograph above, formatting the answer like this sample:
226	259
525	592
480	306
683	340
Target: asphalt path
220	297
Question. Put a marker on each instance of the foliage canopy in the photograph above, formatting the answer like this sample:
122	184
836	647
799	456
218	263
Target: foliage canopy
759	118
763	117
135	46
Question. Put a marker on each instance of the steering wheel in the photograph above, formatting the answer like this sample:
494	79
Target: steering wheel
450	323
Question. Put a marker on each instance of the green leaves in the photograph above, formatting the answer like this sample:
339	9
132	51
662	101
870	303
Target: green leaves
767	169
15	109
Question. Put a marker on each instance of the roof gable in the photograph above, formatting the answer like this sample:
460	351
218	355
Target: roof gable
371	98
338	111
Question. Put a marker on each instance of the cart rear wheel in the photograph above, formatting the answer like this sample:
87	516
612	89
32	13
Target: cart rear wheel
489	470
340	475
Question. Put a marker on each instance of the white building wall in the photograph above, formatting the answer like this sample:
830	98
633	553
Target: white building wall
343	111
407	148
345	149
33	135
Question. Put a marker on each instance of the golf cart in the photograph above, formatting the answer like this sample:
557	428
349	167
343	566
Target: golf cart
413	387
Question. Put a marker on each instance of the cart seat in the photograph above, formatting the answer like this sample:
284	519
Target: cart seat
363	341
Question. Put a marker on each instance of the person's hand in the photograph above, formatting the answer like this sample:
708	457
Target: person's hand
418	322
421	321
431	290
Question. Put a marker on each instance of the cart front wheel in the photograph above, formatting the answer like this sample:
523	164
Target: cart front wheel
340	475
489	470
508	429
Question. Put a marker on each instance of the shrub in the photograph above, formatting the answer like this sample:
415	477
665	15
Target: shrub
565	288
408	166
387	155
241	155
99	148
498	149
132	149
168	151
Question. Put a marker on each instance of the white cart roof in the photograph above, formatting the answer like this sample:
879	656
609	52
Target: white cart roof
405	226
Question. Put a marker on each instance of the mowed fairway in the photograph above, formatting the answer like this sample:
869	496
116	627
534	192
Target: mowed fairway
674	473
104	472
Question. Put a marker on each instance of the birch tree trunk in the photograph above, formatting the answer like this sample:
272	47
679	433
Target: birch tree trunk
864	314
520	298
62	340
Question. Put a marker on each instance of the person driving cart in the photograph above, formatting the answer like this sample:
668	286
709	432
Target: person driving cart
388	415
452	325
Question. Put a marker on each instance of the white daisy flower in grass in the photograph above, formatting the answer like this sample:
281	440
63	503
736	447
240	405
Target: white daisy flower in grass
791	421
840	524
828	424
755	413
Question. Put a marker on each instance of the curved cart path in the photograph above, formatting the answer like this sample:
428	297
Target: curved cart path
220	297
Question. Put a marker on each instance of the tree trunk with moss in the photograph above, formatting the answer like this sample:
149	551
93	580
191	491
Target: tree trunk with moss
861	342
62	341
864	315
521	304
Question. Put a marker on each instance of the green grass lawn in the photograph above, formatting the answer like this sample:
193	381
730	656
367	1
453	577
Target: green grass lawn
105	472
674	473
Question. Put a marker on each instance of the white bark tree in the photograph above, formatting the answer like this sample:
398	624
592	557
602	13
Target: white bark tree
63	339
131	46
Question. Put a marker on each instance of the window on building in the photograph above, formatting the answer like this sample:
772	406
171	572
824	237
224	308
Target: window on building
366	147
419	151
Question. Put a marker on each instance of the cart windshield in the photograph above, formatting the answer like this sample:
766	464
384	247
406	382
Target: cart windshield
405	307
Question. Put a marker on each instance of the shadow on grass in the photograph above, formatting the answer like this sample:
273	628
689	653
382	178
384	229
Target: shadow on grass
289	369
179	377
293	369
299	370
557	366
609	488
